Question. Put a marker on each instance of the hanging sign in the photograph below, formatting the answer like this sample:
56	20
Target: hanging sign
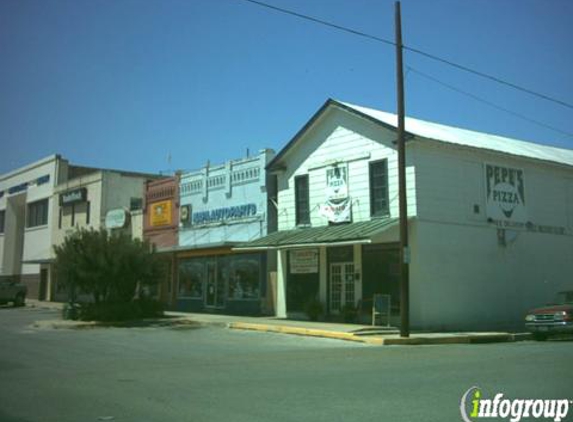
505	194
116	219
338	205
303	261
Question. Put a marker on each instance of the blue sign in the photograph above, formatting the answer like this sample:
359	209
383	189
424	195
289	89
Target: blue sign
224	214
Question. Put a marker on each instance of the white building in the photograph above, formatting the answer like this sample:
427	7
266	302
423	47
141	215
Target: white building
490	220
44	201
97	198
26	201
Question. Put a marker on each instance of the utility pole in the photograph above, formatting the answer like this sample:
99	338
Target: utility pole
404	249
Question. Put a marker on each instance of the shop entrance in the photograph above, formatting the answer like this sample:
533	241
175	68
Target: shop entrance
215	286
342	286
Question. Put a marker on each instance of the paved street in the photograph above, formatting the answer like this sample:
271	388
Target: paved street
217	374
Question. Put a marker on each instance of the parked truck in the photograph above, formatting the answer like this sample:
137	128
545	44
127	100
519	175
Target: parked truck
11	290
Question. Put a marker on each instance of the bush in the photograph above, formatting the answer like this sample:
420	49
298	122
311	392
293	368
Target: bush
349	313
108	267
314	309
121	311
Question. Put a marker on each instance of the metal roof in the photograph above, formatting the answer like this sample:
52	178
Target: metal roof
440	133
470	138
326	235
184	248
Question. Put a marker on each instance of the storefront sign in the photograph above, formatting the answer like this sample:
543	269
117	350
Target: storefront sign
116	219
185	214
505	192
160	213
338	205
224	214
304	261
74	196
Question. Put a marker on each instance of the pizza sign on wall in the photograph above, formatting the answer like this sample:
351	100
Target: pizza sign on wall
505	194
337	207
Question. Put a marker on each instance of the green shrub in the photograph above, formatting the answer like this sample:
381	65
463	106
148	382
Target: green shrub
121	311
349	313
314	309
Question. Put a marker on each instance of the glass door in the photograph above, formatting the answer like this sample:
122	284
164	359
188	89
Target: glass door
342	286
215	295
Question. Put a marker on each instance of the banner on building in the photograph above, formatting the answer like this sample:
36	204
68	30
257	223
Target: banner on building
303	261
160	213
505	194
338	206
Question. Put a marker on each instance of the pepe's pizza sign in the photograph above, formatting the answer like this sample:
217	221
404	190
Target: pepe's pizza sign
505	190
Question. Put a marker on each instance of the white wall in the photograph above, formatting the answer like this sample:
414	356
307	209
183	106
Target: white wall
461	276
106	190
340	137
37	240
93	184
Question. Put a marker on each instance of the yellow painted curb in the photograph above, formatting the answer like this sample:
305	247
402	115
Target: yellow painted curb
312	332
376	340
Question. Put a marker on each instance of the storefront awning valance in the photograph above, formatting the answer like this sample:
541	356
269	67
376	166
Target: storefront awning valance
361	232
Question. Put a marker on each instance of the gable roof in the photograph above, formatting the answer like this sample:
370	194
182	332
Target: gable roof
440	133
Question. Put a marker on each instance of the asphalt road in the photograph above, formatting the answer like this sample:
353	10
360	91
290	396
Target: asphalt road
216	374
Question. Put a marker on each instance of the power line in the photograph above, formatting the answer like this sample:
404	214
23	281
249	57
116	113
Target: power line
489	103
413	50
490	77
320	21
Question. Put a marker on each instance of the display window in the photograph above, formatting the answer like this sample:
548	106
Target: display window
191	278
244	282
218	279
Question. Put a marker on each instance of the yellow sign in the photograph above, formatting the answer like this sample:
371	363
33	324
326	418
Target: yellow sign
160	213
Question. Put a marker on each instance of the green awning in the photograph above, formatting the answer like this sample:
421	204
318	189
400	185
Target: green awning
322	236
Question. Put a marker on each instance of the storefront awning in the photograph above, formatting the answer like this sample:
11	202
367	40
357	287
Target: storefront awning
186	248
343	234
39	261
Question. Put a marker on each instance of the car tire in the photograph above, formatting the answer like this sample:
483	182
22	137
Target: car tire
540	336
19	300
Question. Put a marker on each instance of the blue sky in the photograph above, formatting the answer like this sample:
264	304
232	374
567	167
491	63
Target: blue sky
127	83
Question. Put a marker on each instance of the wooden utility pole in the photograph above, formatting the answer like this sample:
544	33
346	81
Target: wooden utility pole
404	249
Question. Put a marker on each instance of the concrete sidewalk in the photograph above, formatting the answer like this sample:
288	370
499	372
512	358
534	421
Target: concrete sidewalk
382	336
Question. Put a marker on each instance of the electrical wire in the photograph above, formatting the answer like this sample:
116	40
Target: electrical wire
413	50
489	103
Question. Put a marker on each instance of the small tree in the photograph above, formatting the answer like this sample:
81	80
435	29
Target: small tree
110	268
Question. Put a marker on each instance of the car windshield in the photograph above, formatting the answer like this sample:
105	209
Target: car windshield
564	297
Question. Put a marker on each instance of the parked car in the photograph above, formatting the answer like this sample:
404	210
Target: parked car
552	319
12	291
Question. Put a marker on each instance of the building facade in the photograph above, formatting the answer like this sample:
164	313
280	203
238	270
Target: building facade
94	198
490	220
26	206
220	207
161	229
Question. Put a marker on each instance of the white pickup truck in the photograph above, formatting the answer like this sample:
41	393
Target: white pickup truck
12	291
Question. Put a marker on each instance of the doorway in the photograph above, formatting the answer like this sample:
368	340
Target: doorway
215	285
342	286
43	284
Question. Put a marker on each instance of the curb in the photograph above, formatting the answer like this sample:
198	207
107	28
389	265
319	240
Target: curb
310	332
384	341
